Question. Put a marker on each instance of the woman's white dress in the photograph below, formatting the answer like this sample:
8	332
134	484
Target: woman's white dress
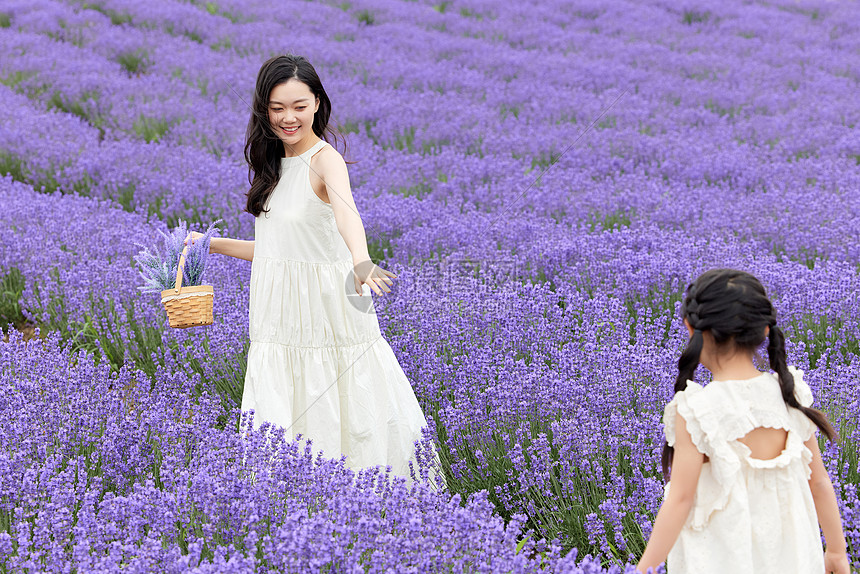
318	365
749	515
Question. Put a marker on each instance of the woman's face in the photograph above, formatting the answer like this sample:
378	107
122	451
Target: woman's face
292	106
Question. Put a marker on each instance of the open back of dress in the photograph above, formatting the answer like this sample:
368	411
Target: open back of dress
765	443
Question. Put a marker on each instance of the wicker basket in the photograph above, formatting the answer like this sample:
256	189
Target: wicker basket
188	306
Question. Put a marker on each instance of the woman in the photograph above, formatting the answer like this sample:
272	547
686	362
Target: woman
317	365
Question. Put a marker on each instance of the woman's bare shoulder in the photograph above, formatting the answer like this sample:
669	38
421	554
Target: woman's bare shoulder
328	161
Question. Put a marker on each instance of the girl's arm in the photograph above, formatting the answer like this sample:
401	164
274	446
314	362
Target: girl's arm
836	559
238	248
686	466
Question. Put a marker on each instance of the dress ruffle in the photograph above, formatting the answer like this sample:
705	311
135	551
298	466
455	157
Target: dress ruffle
358	391
801	389
724	411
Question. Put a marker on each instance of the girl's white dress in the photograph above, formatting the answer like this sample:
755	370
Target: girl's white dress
318	364
749	515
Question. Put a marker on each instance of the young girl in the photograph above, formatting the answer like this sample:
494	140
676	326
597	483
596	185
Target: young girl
318	364
747	481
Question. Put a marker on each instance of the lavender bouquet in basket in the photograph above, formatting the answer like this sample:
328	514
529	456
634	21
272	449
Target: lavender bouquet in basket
176	271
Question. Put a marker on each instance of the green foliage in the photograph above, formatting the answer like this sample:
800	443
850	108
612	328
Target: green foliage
378	247
111	331
15	167
476	147
213	9
349	127
134	62
203	85
469	13
13	79
57	101
803	154
509	110
607	122
812	13
429	146
151	129
848	438
730	112
807	256
116	17
225	43
545	159
406	140
12	165
366	17
557	511
5	20
83	186
100	332
11	287
124	196
656	307
824	337
695	17
78	107
609	221
222	375
419	190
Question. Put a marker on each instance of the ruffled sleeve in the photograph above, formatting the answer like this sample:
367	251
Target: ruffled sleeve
799	421
681	404
802	392
708	416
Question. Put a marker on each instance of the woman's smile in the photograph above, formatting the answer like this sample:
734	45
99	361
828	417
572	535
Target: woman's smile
292	106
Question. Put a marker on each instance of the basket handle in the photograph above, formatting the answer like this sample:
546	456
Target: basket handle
181	267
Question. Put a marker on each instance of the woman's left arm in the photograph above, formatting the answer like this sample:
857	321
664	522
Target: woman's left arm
331	168
686	467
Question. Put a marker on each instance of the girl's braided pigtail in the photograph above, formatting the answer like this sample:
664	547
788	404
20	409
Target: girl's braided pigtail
779	364
687	365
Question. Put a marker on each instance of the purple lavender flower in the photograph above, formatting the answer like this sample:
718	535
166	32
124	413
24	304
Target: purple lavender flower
535	312
159	269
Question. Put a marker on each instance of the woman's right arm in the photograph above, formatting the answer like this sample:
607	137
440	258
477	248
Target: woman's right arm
827	509
238	248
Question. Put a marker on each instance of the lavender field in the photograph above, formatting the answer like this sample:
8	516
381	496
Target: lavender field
545	177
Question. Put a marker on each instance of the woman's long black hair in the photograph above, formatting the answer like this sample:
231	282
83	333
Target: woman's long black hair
262	146
734	307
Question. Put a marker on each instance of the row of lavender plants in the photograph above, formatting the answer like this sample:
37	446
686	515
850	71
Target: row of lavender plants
544	178
706	107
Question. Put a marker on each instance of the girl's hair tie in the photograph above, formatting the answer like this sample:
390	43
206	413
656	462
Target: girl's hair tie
699	331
